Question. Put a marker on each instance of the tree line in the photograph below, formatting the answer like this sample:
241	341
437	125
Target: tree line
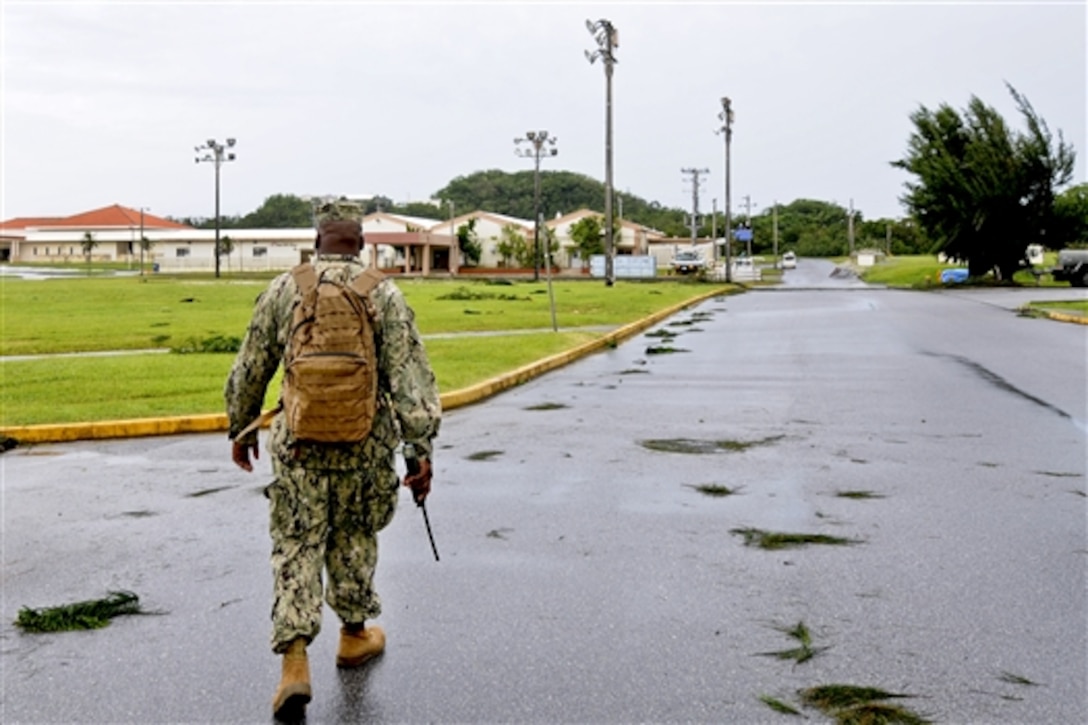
980	192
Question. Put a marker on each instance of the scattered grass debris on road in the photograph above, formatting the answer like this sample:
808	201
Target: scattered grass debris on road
547	406
859	495
697	446
854	705
89	614
778	706
1014	679
483	455
801	654
716	490
773	540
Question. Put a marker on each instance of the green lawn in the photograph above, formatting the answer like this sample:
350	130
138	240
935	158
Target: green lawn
923	271
102	313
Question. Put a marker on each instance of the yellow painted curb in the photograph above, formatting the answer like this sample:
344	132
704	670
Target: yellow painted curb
1063	317
138	428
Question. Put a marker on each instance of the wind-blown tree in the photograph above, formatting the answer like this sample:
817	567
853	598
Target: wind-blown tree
226	246
280	211
1071	208
145	249
984	192
468	241
514	246
586	234
88	244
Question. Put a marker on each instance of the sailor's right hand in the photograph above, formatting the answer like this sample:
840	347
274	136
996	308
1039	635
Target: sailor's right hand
239	453
419	481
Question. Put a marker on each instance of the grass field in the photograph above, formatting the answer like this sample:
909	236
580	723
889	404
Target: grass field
923	271
131	313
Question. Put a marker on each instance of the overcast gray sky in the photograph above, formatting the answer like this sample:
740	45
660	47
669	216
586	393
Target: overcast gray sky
103	102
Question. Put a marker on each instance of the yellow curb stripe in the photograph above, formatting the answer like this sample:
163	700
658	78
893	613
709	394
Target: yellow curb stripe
137	428
1064	317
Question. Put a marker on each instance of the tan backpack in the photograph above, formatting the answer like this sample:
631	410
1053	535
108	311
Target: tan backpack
330	380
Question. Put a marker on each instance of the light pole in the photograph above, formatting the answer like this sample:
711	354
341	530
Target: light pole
607	40
726	117
541	145
217	153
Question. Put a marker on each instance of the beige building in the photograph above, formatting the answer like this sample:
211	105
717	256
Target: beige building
395	243
113	234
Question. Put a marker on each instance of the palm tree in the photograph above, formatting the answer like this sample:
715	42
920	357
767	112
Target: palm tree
88	244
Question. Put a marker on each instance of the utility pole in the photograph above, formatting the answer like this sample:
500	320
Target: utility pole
694	173
607	40
542	144
888	239
726	116
216	152
143	242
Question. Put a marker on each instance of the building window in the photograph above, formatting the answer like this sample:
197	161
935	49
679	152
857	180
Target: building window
260	251
182	251
35	251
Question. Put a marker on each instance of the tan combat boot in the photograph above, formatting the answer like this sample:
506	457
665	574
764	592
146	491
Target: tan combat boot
357	645
294	690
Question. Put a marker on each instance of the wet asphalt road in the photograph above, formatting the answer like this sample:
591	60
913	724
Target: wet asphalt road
584	578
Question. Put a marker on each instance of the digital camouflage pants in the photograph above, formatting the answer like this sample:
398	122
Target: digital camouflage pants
325	520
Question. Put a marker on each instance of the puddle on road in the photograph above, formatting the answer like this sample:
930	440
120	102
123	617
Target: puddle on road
702	446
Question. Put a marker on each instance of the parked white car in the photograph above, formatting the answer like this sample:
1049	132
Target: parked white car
789	260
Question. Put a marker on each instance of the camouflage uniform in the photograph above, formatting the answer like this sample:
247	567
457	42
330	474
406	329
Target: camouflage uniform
329	501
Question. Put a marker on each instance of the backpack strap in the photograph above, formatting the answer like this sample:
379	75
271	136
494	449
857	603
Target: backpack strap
305	277
365	283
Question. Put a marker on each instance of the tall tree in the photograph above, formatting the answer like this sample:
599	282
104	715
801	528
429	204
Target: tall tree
468	241
586	234
1071	209
983	191
280	211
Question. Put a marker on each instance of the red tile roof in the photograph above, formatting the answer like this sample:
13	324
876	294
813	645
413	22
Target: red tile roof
108	216
118	216
22	222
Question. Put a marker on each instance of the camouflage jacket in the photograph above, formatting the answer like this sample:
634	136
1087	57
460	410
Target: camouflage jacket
408	402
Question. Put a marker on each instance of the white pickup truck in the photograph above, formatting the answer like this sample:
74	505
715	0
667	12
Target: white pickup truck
688	261
1072	267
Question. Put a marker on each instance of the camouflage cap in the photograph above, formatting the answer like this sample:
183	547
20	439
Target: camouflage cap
340	210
